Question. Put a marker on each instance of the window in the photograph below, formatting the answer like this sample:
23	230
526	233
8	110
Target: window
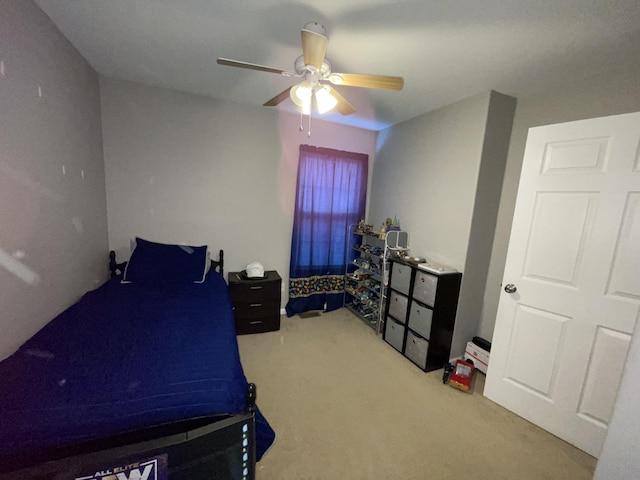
330	195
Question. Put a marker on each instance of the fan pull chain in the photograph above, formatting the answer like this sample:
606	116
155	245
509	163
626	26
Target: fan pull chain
301	127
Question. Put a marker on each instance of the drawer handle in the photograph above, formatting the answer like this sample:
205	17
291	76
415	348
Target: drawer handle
255	322
257	287
255	305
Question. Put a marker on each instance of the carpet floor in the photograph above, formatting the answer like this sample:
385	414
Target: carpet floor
346	405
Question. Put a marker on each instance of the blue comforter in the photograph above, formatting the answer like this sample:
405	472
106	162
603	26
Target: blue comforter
125	357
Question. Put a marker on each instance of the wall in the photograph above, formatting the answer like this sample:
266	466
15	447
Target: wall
484	219
53	240
186	168
427	172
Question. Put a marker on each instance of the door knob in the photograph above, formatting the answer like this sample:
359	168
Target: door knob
510	288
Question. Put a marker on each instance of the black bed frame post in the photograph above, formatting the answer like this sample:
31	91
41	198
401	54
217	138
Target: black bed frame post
251	397
221	261
114	266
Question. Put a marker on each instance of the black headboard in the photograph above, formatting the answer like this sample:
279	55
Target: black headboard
118	268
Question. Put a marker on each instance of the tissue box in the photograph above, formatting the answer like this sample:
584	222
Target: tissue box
478	356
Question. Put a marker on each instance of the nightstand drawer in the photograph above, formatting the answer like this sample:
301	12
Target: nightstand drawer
258	308
258	292
250	291
257	325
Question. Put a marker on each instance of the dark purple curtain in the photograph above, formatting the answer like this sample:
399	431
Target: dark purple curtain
330	195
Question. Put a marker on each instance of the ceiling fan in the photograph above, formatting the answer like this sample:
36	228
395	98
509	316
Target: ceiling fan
315	71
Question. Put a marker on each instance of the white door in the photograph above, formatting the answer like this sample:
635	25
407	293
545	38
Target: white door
572	278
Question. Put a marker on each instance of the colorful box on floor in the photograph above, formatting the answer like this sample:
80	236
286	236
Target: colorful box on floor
462	376
478	356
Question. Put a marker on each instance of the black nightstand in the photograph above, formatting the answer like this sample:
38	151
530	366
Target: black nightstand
256	303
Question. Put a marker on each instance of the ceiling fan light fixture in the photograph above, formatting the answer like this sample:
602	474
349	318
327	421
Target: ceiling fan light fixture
301	94
304	109
324	100
313	68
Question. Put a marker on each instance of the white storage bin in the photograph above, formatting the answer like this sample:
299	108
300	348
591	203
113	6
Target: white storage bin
416	349
401	278
425	288
420	319
394	334
398	306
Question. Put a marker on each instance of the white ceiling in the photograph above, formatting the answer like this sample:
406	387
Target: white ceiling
446	50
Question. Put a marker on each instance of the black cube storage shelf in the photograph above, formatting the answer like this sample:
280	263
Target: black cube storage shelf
421	313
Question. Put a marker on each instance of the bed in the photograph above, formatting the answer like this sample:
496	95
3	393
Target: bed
145	368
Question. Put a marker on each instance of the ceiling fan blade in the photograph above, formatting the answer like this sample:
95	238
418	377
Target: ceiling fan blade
279	98
367	81
314	47
250	66
344	107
